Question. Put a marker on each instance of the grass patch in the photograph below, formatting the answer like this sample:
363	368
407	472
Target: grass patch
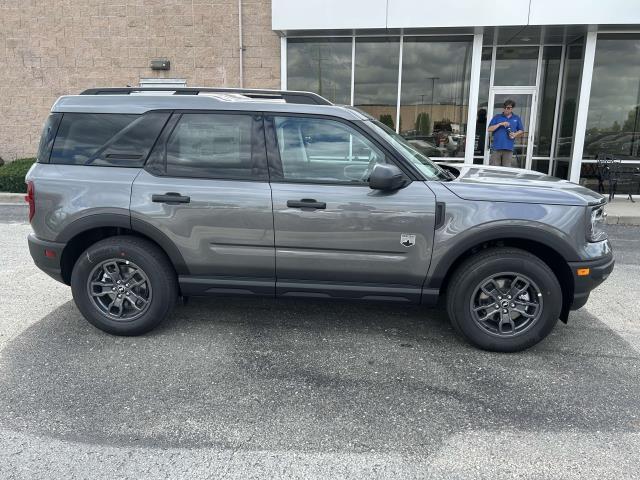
12	175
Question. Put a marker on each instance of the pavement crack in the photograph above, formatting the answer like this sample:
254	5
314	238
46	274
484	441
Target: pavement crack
237	449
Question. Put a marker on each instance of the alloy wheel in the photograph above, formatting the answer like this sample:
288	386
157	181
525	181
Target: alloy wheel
506	304
120	289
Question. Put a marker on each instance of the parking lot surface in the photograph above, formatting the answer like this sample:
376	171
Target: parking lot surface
255	388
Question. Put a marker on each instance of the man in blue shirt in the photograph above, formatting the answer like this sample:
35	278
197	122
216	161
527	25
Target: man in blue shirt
506	127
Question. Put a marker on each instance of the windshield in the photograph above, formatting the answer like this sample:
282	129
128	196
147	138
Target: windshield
426	166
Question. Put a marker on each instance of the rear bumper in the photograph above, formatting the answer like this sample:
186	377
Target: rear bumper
599	270
46	256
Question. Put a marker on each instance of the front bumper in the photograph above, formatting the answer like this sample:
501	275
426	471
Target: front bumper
47	256
599	270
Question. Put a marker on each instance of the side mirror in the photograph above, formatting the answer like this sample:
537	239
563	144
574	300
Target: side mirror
387	177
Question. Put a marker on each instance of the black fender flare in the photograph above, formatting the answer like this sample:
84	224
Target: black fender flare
546	235
123	220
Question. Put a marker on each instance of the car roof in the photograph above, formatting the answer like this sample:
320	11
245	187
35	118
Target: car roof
230	101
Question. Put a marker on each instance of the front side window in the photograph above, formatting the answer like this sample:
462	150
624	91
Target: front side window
410	153
213	145
326	151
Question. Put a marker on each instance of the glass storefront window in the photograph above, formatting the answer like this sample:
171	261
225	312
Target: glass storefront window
516	66
483	102
540	165
613	122
376	77
569	102
322	66
547	101
435	94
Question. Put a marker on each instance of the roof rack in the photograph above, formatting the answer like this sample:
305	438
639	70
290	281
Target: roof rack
287	96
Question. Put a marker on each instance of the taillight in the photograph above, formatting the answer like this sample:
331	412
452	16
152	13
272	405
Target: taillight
30	197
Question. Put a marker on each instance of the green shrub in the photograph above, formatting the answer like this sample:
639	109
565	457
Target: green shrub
12	175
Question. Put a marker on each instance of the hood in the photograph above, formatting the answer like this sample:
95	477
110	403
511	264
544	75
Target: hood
503	184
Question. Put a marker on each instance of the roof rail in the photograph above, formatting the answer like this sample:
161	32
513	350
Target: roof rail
286	95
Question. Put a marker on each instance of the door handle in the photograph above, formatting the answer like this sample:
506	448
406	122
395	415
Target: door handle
171	198
306	203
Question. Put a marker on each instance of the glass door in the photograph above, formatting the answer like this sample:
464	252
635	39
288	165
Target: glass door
525	100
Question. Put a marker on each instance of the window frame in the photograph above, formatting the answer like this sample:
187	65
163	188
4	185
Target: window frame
156	163
275	162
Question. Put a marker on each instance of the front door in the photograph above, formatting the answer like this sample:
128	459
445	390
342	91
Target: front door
334	236
525	99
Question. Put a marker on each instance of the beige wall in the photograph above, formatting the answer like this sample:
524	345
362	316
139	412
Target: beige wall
50	48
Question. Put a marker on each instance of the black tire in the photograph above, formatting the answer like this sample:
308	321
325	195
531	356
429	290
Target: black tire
157	294
464	294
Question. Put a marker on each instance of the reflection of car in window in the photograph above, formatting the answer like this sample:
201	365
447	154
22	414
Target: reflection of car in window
426	148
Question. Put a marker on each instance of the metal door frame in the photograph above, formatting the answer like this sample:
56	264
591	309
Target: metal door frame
533	91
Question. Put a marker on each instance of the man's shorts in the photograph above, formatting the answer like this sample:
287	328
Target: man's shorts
502	158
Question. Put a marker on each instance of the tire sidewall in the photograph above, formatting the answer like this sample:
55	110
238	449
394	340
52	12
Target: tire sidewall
532	268
162	293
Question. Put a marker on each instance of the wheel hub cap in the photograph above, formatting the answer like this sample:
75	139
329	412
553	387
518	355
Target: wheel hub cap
120	289
506	304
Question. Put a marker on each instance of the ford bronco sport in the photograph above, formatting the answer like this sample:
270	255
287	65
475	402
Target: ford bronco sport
140	196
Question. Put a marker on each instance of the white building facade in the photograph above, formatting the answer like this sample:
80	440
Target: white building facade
437	73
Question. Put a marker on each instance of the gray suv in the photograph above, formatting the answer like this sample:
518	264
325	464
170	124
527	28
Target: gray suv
142	196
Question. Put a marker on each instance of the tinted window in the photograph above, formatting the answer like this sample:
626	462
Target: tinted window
435	94
613	123
131	145
214	146
48	135
81	135
321	150
376	77
322	66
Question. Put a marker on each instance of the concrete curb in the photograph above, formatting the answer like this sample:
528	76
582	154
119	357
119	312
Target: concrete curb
12	198
622	220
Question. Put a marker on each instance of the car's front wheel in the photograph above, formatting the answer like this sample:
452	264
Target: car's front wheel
124	285
504	299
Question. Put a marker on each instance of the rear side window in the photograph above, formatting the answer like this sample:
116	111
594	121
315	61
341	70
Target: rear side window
106	139
213	145
48	135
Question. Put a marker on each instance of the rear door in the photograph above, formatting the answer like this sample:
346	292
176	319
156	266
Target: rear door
205	188
334	236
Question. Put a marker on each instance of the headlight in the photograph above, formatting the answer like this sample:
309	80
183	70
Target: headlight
596	227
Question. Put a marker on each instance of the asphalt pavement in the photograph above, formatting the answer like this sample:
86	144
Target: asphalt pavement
259	388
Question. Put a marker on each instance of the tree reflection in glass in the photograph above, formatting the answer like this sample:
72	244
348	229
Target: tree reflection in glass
435	94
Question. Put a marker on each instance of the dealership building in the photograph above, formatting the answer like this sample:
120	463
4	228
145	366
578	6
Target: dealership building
434	72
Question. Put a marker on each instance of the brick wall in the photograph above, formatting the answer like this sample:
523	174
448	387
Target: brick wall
50	48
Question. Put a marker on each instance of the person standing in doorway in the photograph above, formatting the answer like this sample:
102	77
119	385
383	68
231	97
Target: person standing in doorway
506	127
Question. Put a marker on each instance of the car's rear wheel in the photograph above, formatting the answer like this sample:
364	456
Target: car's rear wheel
124	285
504	299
